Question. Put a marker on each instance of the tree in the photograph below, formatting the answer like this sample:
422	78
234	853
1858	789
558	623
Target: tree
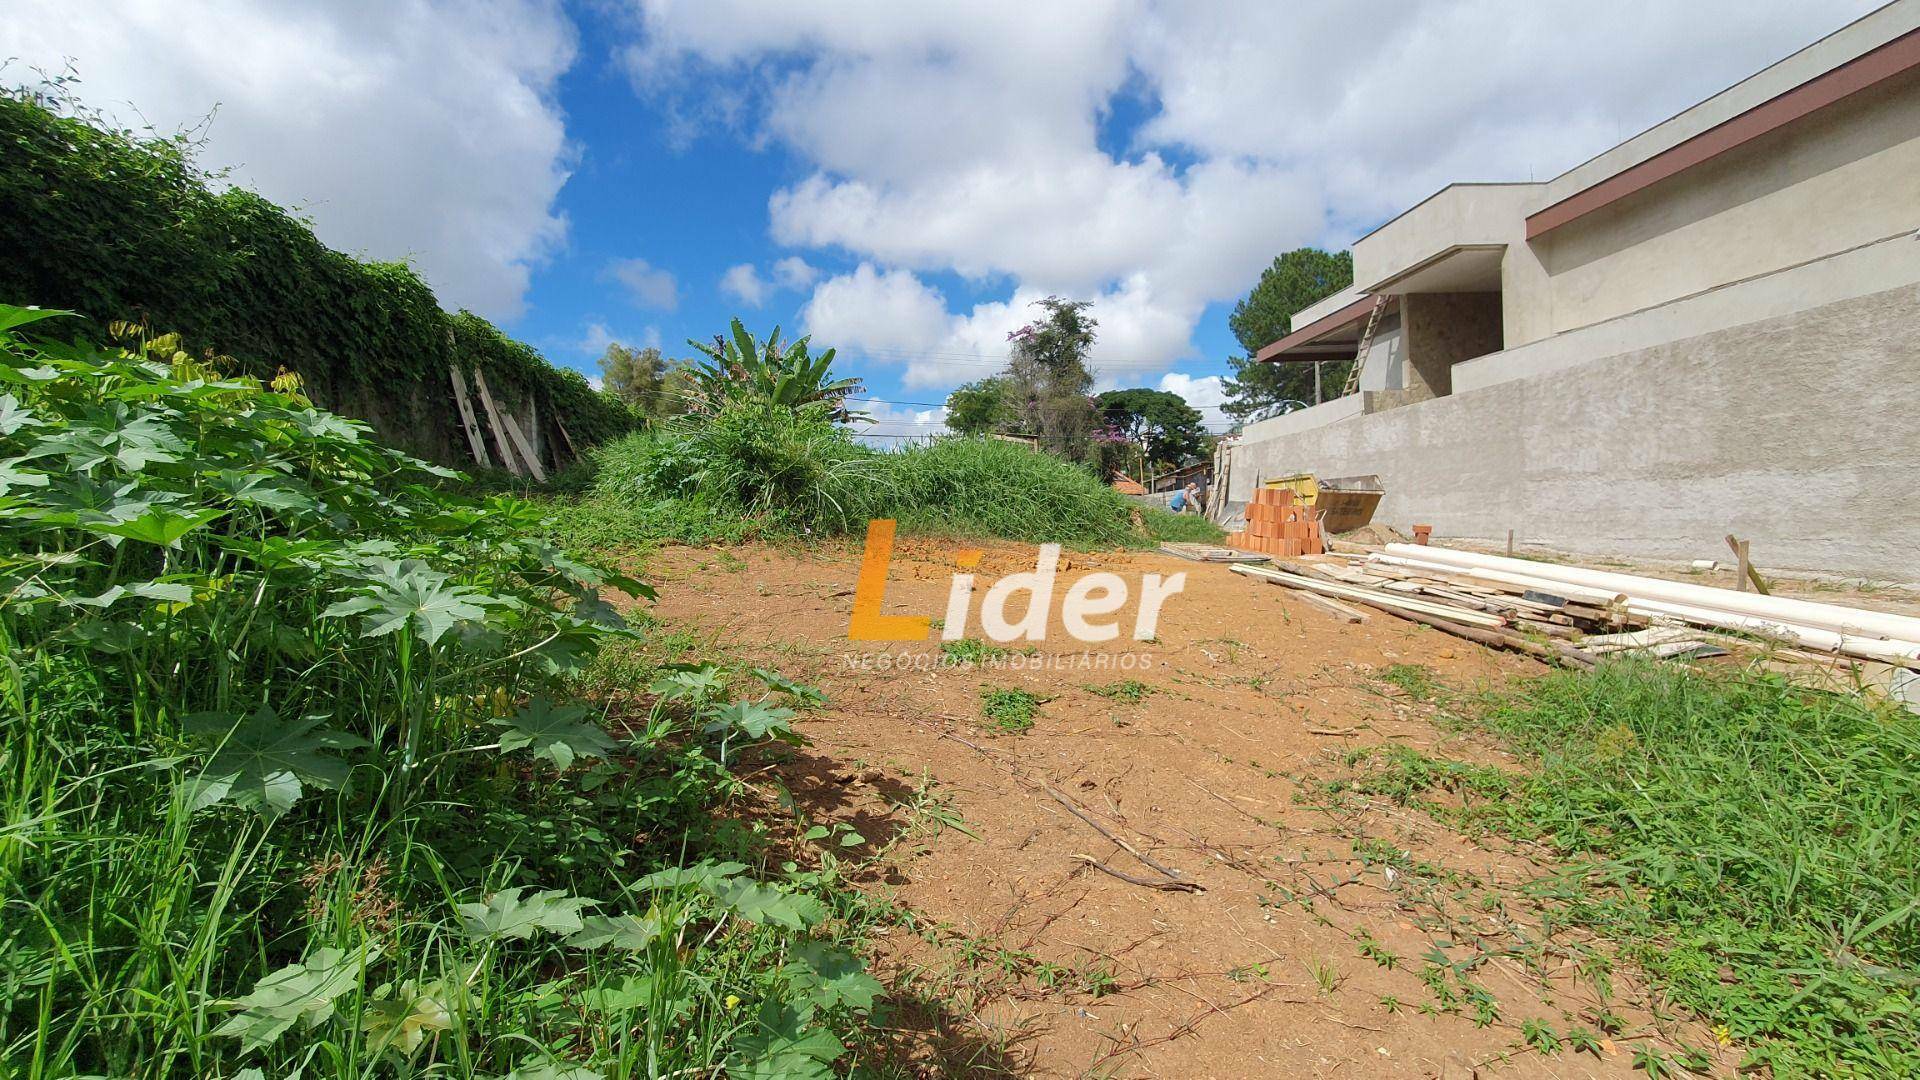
1172	429
981	406
654	386
1296	280
1048	378
740	367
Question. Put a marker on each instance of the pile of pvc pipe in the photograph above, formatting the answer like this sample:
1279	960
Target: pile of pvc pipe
1875	635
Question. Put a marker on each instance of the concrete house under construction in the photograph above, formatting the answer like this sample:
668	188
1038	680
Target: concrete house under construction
1711	328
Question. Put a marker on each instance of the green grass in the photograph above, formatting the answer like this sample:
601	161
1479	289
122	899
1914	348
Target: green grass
1759	845
1166	527
753	473
970	652
1011	711
1415	680
1132	691
988	487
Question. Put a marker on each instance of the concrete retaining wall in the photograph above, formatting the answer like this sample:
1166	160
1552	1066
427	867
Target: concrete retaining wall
1800	433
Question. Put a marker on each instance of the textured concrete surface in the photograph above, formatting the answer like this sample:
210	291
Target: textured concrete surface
1800	433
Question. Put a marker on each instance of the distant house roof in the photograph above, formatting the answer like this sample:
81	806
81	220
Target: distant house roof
1128	486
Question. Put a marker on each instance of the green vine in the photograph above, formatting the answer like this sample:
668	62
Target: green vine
118	225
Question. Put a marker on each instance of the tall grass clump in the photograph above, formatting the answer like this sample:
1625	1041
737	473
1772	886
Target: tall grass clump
991	487
296	777
1763	844
760	469
752	469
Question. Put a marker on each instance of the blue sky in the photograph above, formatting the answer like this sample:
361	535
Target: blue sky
900	179
695	203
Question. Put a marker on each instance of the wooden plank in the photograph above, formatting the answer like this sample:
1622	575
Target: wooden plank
527	457
1336	608
468	422
568	439
1397	604
499	429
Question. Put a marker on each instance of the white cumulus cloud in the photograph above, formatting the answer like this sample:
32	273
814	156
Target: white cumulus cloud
743	283
423	130
1203	393
887	425
979	145
647	285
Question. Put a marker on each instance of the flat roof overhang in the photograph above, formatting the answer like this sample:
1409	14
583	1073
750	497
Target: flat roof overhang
1460	268
1335	336
1867	70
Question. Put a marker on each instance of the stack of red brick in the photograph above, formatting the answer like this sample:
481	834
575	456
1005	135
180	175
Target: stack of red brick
1279	525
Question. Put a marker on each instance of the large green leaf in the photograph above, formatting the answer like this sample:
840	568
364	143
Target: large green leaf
508	915
785	1044
264	763
158	525
633	933
554	734
301	993
749	899
14	418
411	593
11	316
762	903
832	976
404	1018
12	476
754	719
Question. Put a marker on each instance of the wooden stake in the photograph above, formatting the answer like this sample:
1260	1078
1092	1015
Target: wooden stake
1509	543
468	421
511	429
1745	572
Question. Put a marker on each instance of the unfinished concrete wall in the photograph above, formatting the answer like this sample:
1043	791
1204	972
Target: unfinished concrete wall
1801	433
1442	329
1840	178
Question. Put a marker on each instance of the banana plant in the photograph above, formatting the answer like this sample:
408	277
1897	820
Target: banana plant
740	368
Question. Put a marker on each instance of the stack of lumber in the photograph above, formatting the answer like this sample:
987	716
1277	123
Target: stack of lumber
1801	624
1279	524
1569	614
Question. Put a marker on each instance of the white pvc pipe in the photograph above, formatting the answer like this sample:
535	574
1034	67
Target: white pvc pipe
1896	650
1528	581
1834	617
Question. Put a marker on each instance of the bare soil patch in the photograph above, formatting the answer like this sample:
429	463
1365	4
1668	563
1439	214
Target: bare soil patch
1331	934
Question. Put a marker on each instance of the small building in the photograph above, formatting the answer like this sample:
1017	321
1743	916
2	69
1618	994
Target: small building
1711	328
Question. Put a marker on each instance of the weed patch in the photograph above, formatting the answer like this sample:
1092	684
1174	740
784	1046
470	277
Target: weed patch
1011	711
1131	691
1753	845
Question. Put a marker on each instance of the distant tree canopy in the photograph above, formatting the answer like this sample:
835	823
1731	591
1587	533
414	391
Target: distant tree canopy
1296	280
981	407
654	386
1172	429
1044	390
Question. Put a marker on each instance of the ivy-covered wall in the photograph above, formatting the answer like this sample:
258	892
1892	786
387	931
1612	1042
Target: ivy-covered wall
118	227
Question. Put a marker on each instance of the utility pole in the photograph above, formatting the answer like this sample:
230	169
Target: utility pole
1316	382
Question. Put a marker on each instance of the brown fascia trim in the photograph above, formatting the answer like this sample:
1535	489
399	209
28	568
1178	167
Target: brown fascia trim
1900	55
1326	324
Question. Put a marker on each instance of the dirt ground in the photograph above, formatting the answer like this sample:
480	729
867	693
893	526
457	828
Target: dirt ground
1329	934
